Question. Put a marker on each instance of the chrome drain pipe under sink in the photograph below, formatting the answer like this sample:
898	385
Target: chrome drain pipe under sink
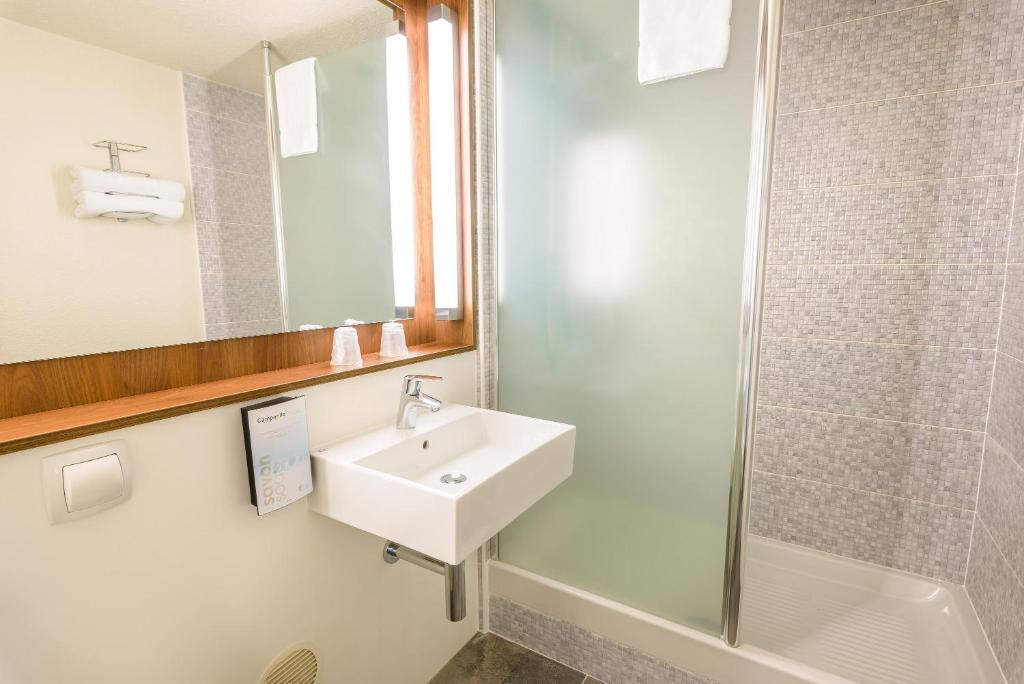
454	576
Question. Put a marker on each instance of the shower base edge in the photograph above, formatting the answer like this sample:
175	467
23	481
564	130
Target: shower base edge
589	617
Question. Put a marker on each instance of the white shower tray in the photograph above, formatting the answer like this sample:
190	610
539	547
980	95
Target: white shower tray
860	621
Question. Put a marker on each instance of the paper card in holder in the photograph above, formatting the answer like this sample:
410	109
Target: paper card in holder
277	452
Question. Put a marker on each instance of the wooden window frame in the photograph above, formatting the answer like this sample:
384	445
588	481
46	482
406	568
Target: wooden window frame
48	401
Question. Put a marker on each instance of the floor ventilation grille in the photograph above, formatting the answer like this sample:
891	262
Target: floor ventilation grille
296	666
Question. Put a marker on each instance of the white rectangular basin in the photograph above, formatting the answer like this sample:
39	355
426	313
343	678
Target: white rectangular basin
389	482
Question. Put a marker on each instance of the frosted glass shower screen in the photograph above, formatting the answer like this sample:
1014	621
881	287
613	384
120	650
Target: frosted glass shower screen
620	248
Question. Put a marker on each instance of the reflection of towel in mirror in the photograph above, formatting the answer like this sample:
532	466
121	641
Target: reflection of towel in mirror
295	86
124	183
93	204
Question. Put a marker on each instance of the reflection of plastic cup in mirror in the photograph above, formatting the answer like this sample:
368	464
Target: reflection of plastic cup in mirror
345	351
392	340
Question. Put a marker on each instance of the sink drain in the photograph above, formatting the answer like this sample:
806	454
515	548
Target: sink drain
453	478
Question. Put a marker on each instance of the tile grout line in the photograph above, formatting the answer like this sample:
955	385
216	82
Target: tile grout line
218	169
1008	355
229	119
970	600
1006	452
252	320
918	346
871	16
999	550
871	418
822	483
913	345
826	264
902	181
897	98
891	264
235	223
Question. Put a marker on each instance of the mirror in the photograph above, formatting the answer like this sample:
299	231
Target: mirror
221	238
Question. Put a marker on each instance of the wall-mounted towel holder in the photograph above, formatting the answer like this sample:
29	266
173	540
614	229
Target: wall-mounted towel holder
114	149
122	195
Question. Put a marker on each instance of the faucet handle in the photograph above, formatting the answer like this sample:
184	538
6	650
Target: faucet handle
411	386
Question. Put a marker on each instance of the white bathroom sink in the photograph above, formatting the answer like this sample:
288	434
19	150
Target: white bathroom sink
389	482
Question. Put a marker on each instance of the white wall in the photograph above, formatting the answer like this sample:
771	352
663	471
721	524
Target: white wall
88	285
184	583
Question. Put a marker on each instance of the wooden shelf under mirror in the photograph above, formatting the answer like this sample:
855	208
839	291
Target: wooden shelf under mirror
51	400
38	429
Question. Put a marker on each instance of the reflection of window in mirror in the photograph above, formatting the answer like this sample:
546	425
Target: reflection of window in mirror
442	47
204	234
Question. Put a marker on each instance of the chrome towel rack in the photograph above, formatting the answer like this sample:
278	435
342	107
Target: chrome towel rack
114	149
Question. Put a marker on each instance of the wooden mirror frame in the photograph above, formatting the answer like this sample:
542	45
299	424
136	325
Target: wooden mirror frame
42	402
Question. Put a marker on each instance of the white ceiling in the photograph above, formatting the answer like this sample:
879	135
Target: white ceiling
216	39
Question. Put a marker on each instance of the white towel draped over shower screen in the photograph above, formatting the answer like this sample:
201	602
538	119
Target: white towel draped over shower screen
682	37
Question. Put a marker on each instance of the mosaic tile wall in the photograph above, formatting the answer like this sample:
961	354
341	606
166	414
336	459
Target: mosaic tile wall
486	225
581	649
485	243
227	142
897	145
995	576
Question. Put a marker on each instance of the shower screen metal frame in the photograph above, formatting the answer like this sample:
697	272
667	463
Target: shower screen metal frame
758	196
270	112
759	185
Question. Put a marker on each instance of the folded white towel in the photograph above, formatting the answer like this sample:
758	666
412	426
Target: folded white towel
92	204
682	37
295	86
94	180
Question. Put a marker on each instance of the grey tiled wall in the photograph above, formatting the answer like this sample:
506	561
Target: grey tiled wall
998	598
486	236
894	180
234	215
995	577
581	649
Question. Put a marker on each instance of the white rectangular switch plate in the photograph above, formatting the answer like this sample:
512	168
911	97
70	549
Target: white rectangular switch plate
85	481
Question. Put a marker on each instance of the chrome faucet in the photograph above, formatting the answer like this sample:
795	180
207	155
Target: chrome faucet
413	399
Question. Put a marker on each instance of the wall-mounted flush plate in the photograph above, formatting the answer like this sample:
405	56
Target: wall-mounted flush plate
81	482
